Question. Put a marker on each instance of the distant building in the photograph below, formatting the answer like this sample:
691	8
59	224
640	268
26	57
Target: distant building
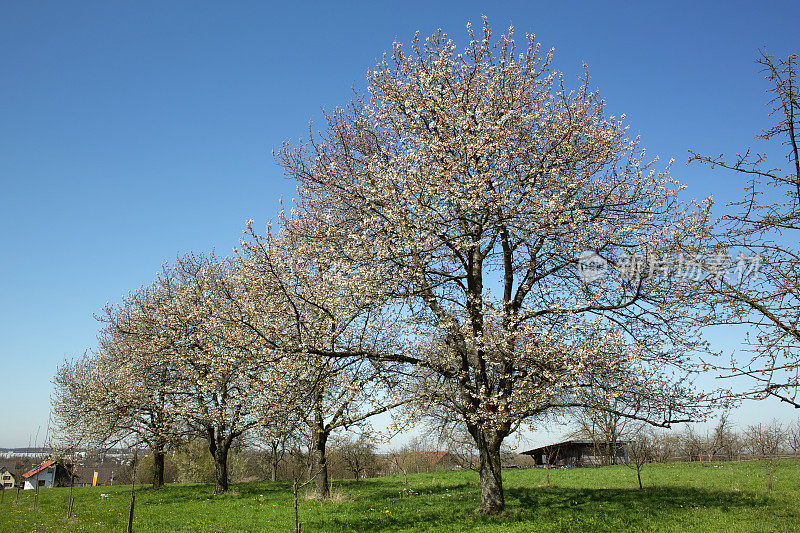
84	475
430	461
46	475
7	479
576	453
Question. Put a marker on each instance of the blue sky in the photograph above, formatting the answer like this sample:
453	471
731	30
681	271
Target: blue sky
133	131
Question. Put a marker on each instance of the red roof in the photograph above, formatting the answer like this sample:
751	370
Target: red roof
434	457
38	469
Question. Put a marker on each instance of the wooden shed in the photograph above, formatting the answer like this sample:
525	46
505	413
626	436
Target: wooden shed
576	453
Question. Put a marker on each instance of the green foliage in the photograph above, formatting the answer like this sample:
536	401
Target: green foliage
194	462
678	497
146	467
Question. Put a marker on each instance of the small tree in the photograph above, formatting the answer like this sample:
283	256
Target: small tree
723	440
693	444
666	445
398	459
277	442
607	417
766	441
793	439
641	451
552	458
357	454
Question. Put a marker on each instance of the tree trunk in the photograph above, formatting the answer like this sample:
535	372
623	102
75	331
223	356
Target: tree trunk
221	470
129	529
639	477
71	501
492	498
158	466
320	463
219	452
274	459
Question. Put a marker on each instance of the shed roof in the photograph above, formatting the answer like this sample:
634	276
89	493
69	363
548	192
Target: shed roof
576	442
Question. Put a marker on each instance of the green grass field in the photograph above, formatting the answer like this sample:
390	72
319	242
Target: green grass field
677	497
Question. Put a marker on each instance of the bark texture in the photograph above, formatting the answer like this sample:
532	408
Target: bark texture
158	466
219	448
320	464
489	470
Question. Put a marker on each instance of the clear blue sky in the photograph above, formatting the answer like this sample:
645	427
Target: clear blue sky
132	131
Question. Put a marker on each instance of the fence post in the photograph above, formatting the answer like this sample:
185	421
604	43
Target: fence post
133	494
294	496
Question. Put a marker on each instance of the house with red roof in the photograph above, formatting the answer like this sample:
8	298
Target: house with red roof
48	474
430	461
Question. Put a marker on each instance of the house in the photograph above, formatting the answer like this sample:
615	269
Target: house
48	474
576	453
429	461
442	460
7	479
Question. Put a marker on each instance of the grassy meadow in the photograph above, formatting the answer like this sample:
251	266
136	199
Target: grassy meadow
677	497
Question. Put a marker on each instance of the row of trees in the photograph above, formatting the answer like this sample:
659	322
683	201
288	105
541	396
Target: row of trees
431	263
350	454
205	351
347	457
766	442
724	443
